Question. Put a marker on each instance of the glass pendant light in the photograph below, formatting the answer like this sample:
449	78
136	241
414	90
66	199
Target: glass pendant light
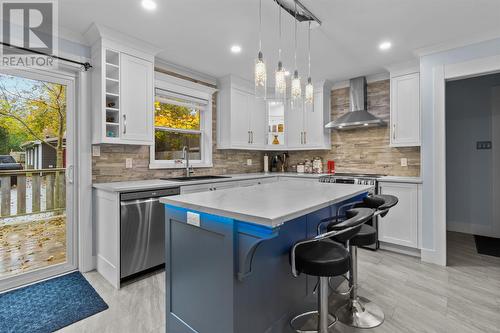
260	65
296	89
309	93
280	77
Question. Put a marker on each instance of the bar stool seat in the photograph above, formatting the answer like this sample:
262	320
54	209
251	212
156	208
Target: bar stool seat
324	258
366	236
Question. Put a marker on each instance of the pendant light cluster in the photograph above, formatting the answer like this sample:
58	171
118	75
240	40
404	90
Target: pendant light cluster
297	100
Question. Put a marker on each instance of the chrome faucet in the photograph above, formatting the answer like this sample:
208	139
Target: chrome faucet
185	156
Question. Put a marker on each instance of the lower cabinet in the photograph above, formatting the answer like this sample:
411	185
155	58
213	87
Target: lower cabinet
227	184
401	225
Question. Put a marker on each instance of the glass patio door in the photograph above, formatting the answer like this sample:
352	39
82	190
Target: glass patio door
37	233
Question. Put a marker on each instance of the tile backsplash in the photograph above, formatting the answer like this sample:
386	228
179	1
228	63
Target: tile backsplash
365	150
110	166
362	150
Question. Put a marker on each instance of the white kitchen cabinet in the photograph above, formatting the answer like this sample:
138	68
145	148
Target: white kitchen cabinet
306	130
244	122
294	124
136	99
401	225
122	88
405	110
226	184
241	118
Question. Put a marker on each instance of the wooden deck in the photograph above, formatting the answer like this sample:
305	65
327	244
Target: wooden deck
28	246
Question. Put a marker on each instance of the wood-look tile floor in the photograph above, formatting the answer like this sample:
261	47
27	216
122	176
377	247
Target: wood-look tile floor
416	297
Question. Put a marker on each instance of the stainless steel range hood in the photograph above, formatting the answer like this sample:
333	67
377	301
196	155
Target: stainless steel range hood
358	116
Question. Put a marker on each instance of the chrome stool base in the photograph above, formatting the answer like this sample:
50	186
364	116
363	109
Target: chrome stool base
360	313
308	322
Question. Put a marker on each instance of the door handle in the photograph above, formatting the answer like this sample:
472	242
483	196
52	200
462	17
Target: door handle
394	131
124	124
248	137
305	137
70	174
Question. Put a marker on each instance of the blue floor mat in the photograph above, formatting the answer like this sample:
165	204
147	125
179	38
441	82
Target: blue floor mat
49	305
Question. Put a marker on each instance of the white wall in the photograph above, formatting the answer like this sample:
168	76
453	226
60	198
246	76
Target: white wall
469	171
427	63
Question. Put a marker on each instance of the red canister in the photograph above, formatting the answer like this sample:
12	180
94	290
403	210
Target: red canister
331	166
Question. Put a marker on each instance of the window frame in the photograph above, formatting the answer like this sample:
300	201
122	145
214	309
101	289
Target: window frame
184	87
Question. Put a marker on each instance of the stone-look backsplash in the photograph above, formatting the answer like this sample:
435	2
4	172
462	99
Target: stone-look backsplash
361	150
110	166
365	150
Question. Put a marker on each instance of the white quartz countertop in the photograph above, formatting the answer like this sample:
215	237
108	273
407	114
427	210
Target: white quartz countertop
399	179
139	185
270	204
152	184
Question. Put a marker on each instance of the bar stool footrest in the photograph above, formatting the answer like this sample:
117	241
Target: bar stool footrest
308	322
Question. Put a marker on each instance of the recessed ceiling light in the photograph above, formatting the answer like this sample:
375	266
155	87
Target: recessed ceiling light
236	49
366	124
384	46
148	4
287	73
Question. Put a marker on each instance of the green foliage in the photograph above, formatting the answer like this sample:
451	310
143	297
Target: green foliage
31	110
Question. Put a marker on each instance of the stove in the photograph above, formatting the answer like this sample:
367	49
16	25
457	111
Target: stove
351	178
359	179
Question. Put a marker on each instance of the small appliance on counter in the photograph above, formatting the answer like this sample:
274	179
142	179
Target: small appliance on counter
330	165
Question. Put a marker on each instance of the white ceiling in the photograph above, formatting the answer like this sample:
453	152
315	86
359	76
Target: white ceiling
197	34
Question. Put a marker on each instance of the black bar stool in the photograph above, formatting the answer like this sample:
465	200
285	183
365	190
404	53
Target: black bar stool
324	258
360	312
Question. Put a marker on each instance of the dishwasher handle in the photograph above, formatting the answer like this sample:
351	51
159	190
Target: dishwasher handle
138	202
150	194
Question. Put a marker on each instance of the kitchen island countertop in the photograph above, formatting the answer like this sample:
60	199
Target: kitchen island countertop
268	205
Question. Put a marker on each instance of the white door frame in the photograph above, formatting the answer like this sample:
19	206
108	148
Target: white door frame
441	74
69	76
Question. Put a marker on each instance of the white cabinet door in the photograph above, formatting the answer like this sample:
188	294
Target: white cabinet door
257	110
314	129
136	80
400	225
294	128
405	110
240	121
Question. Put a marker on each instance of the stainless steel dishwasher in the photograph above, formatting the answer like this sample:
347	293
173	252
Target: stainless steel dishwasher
142	230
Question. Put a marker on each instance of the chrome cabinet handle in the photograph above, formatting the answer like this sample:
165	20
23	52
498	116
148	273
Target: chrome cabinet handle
124	124
249	137
394	131
301	138
305	138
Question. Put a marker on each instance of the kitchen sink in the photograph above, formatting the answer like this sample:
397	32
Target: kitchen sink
185	179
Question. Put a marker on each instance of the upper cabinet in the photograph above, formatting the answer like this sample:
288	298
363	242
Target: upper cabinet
241	120
405	110
122	88
245	122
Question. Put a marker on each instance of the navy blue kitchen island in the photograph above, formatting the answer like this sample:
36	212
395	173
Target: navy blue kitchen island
227	254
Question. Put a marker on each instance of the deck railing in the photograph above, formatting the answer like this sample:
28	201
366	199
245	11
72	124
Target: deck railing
31	187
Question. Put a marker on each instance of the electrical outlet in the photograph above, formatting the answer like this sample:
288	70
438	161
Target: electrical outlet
404	162
96	151
128	163
249	162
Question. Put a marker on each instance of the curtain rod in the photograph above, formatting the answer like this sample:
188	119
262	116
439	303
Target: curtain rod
86	65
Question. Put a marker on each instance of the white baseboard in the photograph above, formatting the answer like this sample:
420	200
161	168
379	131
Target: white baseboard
432	257
400	249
